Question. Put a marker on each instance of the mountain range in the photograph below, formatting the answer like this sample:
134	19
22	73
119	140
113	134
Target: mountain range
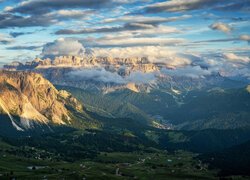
107	74
133	88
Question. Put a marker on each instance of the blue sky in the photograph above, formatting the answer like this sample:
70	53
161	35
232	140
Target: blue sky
197	27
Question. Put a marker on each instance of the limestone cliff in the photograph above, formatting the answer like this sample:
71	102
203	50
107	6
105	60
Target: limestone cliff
34	99
132	64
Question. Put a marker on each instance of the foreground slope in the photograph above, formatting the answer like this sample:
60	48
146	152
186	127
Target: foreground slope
231	161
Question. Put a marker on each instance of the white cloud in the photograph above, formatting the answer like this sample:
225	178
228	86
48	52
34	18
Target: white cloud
178	5
68	14
132	28
156	31
145	19
63	47
8	8
136	41
96	74
235	58
245	37
221	27
5	39
188	71
102	75
228	65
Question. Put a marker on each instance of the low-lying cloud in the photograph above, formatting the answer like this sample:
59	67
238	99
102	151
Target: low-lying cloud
188	71
96	74
102	75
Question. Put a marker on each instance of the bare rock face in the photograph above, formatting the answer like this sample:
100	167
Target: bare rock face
68	99
132	87
34	99
133	64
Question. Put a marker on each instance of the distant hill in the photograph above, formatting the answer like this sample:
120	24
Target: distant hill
218	108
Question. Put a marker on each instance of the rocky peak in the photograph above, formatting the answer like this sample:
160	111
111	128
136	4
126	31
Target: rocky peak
34	99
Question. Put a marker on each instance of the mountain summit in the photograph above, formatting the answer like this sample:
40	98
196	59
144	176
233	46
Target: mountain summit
35	100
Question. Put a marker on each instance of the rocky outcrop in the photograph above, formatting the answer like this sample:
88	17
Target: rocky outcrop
34	99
